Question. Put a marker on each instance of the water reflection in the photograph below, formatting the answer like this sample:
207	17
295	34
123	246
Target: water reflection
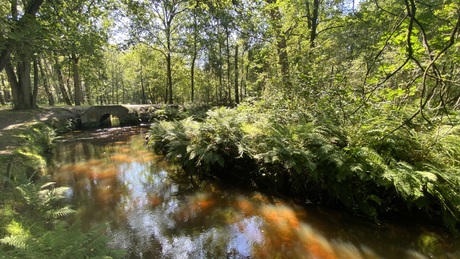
156	212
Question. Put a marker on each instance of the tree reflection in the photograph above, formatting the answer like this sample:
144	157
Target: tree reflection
156	210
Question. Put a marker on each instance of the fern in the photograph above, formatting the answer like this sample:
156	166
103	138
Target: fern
48	236
59	212
17	236
19	242
366	165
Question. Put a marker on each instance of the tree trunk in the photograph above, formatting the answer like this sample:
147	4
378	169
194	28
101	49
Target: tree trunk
217	91
6	93
123	100
49	94
314	23
35	90
13	80
192	78
169	62
237	97
220	74
4	58
195	54
89	97
281	45
76	80
2	100
229	69
144	101
58	70
170	83
283	60
21	84
2	89
30	9
25	97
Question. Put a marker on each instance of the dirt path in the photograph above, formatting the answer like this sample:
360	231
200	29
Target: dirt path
13	122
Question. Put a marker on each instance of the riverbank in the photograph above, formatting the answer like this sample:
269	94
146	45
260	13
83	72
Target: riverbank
33	215
12	123
367	168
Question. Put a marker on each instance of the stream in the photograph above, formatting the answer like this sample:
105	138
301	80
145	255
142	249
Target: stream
154	210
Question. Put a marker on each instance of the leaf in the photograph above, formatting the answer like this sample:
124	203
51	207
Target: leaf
15	241
44	186
59	212
427	176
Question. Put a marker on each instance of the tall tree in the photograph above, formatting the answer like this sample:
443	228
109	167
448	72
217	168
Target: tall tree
17	49
60	81
157	24
237	96
79	34
44	77
276	20
193	42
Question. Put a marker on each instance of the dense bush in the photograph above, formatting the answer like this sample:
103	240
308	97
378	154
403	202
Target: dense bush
372	167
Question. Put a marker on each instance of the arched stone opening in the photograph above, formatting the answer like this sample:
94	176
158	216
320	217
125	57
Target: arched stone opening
109	120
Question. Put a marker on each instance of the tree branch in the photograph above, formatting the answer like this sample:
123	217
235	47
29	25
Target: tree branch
31	9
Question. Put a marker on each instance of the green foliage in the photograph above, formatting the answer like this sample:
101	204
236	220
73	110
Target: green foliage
369	168
34	215
39	138
45	200
60	242
169	112
29	160
40	231
199	146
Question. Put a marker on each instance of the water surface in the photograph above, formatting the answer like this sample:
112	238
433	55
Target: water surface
153	210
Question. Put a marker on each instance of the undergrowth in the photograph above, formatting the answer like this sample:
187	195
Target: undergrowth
365	166
34	217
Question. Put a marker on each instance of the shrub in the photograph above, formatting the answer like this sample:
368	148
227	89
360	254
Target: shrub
376	166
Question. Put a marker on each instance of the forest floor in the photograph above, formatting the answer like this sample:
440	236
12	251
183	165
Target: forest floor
13	122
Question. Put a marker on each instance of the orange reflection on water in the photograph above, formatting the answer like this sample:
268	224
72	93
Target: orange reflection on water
282	219
258	197
154	199
94	162
104	194
81	168
200	203
125	150
203	204
103	173
245	206
122	158
144	156
315	244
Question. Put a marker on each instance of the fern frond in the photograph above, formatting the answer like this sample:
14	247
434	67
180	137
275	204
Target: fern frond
18	242
28	193
59	212
54	194
18	235
48	184
406	181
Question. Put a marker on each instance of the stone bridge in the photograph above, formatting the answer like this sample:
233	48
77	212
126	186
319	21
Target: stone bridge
97	116
101	116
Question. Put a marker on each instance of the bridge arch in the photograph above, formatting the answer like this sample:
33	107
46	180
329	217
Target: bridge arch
95	116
